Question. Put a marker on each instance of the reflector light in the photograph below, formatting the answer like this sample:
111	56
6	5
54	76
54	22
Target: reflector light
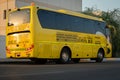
32	4
7	50
30	48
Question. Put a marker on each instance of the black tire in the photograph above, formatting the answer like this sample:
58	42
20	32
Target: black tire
65	56
100	56
39	61
77	60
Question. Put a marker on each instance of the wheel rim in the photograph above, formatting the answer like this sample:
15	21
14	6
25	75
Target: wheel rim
100	55
65	56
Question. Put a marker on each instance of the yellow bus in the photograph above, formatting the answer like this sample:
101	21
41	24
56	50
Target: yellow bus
42	34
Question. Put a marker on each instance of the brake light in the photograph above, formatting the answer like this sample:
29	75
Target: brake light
30	48
7	50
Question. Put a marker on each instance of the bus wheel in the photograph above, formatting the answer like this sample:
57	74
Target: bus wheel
76	60
100	56
65	56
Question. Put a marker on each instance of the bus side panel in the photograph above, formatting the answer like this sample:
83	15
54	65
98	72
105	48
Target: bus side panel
96	45
49	50
56	50
44	50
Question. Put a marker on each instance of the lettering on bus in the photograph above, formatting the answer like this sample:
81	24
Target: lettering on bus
15	42
18	49
66	37
97	40
73	38
12	42
90	39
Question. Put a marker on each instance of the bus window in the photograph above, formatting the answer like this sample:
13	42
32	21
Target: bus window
19	17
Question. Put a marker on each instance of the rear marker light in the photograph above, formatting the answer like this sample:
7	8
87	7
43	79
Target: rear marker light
8	51
30	48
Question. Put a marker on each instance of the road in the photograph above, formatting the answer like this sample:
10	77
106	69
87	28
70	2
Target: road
108	70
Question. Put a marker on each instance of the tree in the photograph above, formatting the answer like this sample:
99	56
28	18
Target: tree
111	18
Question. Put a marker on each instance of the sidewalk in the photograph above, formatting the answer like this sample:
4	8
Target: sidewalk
112	59
105	59
12	60
82	60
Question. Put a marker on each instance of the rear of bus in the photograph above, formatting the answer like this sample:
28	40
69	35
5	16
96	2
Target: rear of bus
19	39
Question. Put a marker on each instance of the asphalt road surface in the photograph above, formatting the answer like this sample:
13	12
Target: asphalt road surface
108	70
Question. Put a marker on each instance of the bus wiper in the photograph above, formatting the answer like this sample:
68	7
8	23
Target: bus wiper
27	31
10	24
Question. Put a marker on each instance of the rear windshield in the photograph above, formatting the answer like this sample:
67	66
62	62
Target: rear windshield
18	17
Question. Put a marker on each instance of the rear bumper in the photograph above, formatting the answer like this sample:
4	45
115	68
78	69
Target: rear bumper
19	55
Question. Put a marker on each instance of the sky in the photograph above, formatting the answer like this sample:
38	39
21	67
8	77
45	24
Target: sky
103	5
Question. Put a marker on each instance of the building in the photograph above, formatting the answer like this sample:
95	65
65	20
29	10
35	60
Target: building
8	5
2	46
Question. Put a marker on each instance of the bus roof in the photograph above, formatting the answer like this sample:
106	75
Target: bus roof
73	13
80	15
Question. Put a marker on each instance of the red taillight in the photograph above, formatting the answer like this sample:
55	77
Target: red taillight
7	50
30	48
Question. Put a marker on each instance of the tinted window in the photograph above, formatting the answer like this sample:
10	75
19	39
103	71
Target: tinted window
19	17
53	20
